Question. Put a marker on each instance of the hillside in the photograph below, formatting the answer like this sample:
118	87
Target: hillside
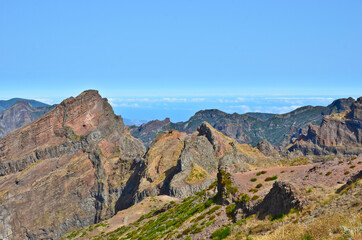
323	203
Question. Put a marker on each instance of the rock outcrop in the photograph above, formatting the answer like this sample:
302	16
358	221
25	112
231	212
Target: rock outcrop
180	164
338	134
66	170
280	200
266	148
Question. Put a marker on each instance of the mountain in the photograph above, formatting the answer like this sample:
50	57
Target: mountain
78	165
250	128
19	114
339	133
133	122
66	169
5	104
76	172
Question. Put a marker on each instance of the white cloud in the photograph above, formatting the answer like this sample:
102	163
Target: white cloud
197	99
235	100
45	100
174	99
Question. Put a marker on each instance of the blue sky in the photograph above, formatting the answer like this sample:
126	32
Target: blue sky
306	51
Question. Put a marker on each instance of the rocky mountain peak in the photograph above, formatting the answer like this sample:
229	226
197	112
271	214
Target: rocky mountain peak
78	153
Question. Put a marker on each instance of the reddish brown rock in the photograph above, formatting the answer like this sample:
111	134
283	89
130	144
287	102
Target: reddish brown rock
66	170
339	133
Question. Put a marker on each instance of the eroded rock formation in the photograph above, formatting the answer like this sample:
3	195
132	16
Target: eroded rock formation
65	170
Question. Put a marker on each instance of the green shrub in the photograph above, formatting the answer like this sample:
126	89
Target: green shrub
253	190
307	237
271	178
259	185
277	217
353	166
255	197
221	233
230	210
346	173
260	173
253	179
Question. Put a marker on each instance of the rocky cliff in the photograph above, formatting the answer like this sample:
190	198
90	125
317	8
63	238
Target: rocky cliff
18	115
339	133
67	169
180	164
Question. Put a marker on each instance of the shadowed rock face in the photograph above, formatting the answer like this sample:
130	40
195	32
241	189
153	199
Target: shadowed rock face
65	170
337	134
280	200
18	115
180	165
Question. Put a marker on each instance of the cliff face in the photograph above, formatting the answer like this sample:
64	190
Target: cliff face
18	115
337	134
67	169
180	164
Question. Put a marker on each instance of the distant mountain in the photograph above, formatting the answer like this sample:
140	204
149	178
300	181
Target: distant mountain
20	114
5	104
250	128
131	122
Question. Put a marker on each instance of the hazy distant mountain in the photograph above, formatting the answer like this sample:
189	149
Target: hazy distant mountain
251	128
20	114
130	122
5	104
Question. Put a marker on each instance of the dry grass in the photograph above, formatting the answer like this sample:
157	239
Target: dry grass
325	227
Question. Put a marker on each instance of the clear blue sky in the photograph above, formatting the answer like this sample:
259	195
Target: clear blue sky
181	49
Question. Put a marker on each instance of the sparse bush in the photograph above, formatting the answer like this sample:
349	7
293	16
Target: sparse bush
271	178
221	233
230	210
328	173
309	190
259	185
253	190
261	172
353	166
255	197
346	172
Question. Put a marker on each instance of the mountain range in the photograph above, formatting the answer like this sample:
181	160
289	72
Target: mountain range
251	128
78	172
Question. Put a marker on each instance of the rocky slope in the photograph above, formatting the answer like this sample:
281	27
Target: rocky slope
291	202
179	164
67	169
251	128
19	114
337	134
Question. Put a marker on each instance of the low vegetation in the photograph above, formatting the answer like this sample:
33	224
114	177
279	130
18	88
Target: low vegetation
275	177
